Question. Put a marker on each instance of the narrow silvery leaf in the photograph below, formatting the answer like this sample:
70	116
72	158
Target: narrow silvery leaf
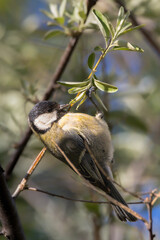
103	24
100	101
120	16
75	90
74	84
62	8
54	10
130	29
82	101
127	46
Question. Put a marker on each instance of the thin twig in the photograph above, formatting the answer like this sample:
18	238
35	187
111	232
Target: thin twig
150	225
24	181
72	199
50	90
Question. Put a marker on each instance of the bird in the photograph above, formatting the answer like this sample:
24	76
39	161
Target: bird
55	126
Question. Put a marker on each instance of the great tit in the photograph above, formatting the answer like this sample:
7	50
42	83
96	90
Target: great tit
52	123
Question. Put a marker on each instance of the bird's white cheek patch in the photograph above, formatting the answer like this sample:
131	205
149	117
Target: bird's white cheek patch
44	121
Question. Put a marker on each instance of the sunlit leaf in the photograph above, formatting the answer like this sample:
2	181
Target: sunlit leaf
77	98
75	90
112	30
54	10
74	84
122	19
62	8
120	16
82	101
130	29
52	33
127	46
103	24
91	60
105	87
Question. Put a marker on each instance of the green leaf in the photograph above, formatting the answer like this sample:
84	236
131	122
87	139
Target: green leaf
100	101
54	10
59	20
82	101
112	30
75	90
52	33
103	24
77	98
127	46
48	14
130	29
62	8
127	25
120	16
122	20
74	84
91	60
105	87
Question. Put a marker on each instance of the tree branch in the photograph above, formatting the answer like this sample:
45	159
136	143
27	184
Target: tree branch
147	35
50	90
149	206
11	226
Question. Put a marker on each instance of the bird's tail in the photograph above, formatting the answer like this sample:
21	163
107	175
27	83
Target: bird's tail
122	214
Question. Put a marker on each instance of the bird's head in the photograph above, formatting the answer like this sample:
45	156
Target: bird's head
44	114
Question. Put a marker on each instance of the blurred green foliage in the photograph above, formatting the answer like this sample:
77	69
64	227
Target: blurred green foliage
27	64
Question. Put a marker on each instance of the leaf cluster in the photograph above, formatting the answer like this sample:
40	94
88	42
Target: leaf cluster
111	36
66	22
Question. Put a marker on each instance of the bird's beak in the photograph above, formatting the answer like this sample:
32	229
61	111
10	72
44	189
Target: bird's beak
64	106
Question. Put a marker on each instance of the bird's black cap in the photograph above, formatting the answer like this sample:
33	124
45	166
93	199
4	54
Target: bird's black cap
41	108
